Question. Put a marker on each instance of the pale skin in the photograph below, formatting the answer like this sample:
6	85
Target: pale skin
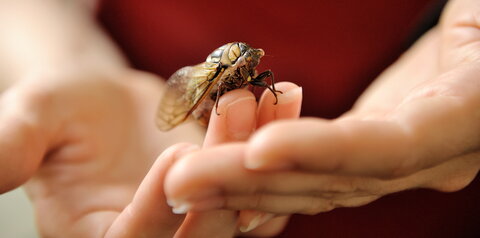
86	121
417	126
77	130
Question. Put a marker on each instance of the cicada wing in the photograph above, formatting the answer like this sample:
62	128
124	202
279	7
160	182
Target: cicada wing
185	90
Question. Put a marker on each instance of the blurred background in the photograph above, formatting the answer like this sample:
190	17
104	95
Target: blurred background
16	215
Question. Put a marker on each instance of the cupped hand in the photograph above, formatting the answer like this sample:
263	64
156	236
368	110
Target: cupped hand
85	141
417	126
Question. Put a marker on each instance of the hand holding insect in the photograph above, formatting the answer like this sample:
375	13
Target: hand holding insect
194	90
414	128
238	119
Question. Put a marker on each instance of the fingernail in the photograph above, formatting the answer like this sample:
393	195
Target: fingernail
180	208
171	202
290	96
195	201
257	221
241	118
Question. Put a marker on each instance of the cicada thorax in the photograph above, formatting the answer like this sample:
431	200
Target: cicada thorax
235	79
239	61
235	73
228	54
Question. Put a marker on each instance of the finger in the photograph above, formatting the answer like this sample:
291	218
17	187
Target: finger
192	186
236	119
23	123
220	223
236	188
149	215
271	228
256	223
250	220
436	122
325	146
460	33
288	106
235	122
401	77
281	204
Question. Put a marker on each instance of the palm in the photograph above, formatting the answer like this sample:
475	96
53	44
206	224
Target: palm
424	76
101	143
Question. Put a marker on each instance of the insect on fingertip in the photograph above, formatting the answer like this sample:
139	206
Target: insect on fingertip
191	89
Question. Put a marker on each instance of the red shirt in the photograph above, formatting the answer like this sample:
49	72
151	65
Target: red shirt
334	49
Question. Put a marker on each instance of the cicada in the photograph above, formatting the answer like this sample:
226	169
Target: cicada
195	90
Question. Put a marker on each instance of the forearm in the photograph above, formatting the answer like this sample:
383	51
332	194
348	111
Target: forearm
50	36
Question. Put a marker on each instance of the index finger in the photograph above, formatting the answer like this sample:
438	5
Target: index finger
238	115
235	120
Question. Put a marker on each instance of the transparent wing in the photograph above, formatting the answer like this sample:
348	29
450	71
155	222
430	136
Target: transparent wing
185	90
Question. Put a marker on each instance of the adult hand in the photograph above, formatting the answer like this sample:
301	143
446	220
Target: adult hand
86	142
415	127
238	118
77	123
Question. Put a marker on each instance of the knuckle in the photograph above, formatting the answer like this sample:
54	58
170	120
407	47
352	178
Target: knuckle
256	201
27	99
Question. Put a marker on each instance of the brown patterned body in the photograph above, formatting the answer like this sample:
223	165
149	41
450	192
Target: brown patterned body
195	90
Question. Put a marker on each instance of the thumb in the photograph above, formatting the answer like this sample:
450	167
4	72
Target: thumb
24	134
460	29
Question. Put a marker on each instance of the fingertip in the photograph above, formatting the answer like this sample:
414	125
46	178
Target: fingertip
290	92
235	120
288	106
271	228
283	96
249	220
230	97
18	132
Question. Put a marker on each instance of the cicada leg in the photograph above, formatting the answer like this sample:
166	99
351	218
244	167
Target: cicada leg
219	93
220	68
261	82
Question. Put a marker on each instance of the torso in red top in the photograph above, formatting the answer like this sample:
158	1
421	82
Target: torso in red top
333	48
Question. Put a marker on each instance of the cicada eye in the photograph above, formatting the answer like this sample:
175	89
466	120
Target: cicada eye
234	53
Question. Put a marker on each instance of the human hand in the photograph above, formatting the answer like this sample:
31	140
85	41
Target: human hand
86	142
77	123
239	118
416	127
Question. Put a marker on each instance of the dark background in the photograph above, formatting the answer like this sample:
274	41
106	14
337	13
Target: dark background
333	49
